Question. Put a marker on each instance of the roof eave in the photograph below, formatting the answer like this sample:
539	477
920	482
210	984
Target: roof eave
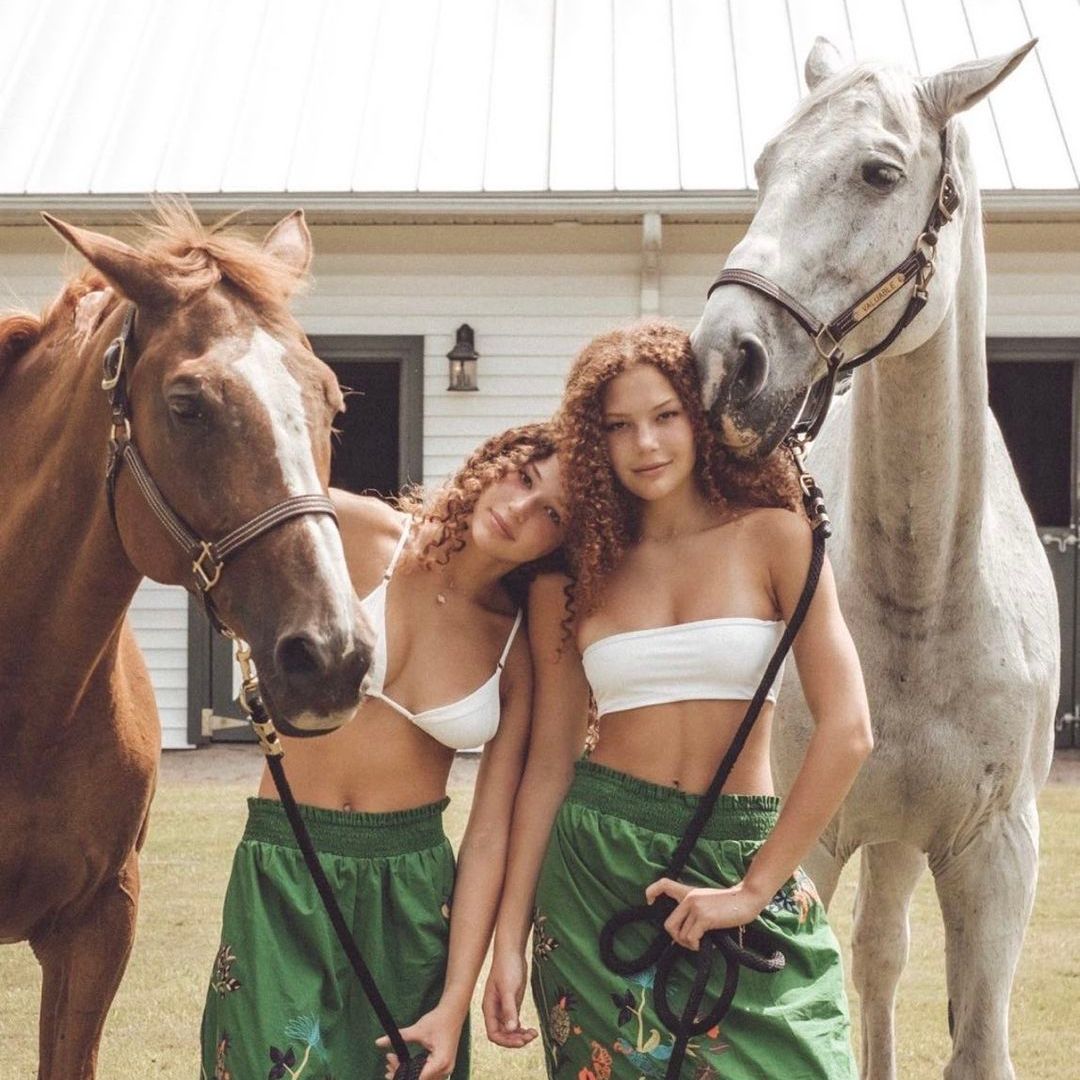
358	208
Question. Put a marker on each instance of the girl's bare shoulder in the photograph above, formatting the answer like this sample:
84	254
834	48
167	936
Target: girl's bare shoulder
370	529
774	527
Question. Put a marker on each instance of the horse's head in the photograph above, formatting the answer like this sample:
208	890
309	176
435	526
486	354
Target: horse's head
231	413
845	190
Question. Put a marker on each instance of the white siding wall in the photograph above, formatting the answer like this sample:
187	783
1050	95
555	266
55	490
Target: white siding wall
534	294
159	618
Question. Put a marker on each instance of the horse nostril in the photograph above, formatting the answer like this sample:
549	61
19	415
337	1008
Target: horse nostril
300	655
751	369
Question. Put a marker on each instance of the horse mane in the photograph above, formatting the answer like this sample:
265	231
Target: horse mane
19	333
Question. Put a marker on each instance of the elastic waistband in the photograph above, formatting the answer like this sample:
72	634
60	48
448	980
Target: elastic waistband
668	810
346	832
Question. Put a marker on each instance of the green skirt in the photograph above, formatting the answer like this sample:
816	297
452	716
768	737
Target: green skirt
612	837
283	1000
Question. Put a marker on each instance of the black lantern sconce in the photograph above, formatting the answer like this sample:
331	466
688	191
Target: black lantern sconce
463	357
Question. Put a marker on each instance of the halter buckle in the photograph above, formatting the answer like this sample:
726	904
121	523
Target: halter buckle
947	200
204	579
827	346
114	355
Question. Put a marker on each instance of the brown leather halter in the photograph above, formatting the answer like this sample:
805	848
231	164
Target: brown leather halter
827	336
207	556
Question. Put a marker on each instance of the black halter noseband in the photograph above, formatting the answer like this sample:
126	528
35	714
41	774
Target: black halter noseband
827	336
207	556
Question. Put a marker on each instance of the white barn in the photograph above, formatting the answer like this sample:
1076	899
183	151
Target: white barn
538	169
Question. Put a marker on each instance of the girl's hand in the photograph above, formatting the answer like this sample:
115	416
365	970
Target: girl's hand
438	1032
701	910
503	995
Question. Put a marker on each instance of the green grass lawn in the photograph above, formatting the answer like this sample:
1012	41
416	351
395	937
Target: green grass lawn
153	1027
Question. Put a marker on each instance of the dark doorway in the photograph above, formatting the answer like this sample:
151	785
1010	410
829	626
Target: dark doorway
1035	395
365	450
1033	405
378	450
381	444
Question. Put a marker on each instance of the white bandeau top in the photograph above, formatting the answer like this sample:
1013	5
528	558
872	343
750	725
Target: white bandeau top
705	660
462	724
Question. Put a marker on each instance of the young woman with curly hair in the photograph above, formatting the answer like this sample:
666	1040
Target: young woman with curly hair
687	564
443	579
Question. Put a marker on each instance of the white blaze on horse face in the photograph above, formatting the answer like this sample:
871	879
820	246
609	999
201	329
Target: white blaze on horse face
262	367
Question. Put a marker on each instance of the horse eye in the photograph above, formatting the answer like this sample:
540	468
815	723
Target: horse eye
186	407
881	176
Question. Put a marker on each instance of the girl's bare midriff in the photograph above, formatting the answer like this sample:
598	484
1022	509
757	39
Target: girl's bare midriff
378	762
681	744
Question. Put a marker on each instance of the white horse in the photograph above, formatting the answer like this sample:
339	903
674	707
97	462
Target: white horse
941	574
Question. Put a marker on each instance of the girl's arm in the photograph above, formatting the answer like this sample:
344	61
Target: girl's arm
481	862
833	687
560	715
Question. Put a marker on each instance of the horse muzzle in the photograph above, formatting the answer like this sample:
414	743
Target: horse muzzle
311	682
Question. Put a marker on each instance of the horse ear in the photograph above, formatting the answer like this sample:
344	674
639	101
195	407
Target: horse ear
948	92
125	268
290	242
823	62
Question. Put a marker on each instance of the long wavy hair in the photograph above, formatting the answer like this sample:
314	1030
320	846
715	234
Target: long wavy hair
447	510
604	516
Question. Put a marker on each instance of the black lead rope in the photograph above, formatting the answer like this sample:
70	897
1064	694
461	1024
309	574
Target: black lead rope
409	1065
750	946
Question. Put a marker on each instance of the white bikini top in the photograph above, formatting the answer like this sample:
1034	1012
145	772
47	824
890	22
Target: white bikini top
460	725
705	660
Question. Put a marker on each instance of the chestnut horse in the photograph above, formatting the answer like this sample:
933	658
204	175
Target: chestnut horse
231	413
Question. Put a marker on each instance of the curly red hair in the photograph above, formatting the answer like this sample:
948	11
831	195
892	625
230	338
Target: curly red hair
603	515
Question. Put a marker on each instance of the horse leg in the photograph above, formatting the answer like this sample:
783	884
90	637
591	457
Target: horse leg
82	964
881	934
824	869
986	893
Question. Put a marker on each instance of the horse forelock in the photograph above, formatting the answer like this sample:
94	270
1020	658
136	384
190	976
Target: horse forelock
884	89
192	257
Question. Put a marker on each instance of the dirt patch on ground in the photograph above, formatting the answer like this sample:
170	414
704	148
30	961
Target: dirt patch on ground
243	764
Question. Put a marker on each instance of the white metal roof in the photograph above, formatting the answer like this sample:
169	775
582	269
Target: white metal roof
444	103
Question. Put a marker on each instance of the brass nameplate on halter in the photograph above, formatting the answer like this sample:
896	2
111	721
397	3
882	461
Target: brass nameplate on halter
877	297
